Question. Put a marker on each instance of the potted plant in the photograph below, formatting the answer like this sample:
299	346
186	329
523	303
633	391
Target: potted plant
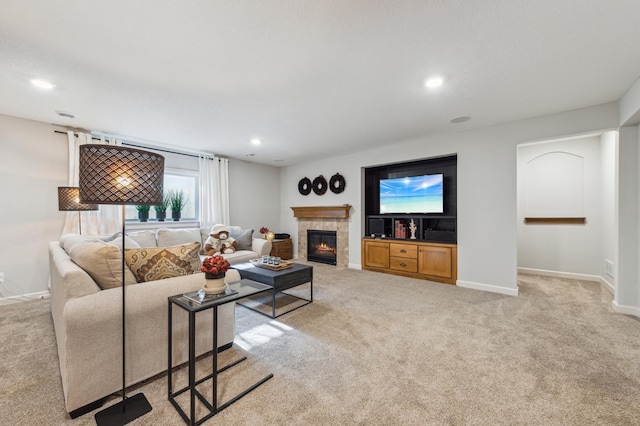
161	210
215	267
143	213
264	231
177	201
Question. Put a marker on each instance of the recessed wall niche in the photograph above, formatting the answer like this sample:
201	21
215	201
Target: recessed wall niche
554	187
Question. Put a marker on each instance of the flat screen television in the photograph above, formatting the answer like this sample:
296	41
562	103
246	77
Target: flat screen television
412	194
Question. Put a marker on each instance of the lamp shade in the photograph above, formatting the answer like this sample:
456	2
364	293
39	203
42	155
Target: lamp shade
69	200
120	175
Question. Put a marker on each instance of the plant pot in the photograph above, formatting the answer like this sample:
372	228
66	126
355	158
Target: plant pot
161	216
214	283
176	216
143	216
210	276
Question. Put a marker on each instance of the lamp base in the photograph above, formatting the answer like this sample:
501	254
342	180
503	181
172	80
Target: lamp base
134	407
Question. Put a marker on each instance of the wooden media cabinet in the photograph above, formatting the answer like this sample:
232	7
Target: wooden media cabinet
410	258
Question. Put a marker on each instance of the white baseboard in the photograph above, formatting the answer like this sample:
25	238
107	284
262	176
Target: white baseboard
488	287
355	266
628	310
607	285
569	275
24	298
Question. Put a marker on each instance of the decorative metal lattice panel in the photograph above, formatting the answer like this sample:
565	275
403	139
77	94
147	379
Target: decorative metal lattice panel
69	199
120	175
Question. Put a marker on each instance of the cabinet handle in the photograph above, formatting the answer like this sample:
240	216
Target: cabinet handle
403	265
403	251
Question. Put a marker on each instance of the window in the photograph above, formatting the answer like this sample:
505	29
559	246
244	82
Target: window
175	179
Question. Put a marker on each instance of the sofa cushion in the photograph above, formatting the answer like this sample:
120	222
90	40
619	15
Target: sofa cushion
174	237
102	260
239	256
143	238
156	263
242	236
67	241
110	238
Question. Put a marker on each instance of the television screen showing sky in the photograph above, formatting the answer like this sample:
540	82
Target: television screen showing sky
414	194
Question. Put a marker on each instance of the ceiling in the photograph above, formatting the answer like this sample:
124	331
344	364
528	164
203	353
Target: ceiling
311	79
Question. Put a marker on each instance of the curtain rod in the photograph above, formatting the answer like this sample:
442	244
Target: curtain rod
131	144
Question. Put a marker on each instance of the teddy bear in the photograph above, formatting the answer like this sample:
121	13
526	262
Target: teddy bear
219	241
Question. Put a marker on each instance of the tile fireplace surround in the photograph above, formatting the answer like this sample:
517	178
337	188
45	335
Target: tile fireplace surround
324	218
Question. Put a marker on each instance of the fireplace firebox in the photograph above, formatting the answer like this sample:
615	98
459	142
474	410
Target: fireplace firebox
322	246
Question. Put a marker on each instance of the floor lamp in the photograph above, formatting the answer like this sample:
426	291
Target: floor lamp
120	175
69	201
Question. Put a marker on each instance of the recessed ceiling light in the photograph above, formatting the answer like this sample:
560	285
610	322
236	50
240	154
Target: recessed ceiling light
249	154
461	119
42	84
256	141
433	82
65	114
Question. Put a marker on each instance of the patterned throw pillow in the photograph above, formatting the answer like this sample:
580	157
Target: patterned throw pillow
157	263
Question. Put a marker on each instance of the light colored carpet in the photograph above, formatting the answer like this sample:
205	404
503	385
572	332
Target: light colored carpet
375	349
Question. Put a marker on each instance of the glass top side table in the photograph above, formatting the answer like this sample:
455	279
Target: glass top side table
242	288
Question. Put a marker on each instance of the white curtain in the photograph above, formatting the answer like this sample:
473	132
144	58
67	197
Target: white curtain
214	190
108	218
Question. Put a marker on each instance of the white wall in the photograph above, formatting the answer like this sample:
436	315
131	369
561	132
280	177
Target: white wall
626	297
254	195
608	168
564	248
629	106
487	218
627	273
33	163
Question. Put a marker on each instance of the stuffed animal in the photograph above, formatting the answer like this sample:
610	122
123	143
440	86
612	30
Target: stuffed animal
219	241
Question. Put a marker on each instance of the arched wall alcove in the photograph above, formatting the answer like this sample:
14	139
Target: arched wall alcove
554	186
566	207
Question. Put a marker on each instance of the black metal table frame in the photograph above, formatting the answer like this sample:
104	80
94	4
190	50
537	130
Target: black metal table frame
280	289
193	383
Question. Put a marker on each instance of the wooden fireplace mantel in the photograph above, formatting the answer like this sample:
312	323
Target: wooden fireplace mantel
322	212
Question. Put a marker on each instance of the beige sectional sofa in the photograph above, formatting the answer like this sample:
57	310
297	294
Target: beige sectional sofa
87	316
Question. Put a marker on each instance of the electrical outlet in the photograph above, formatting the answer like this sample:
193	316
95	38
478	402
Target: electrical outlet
1	277
608	268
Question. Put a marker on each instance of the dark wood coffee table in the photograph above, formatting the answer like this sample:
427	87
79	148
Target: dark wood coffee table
279	281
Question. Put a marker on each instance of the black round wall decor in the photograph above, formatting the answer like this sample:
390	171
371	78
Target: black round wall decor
304	186
337	183
320	185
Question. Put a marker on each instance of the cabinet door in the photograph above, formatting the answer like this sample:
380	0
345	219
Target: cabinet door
436	261
376	254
